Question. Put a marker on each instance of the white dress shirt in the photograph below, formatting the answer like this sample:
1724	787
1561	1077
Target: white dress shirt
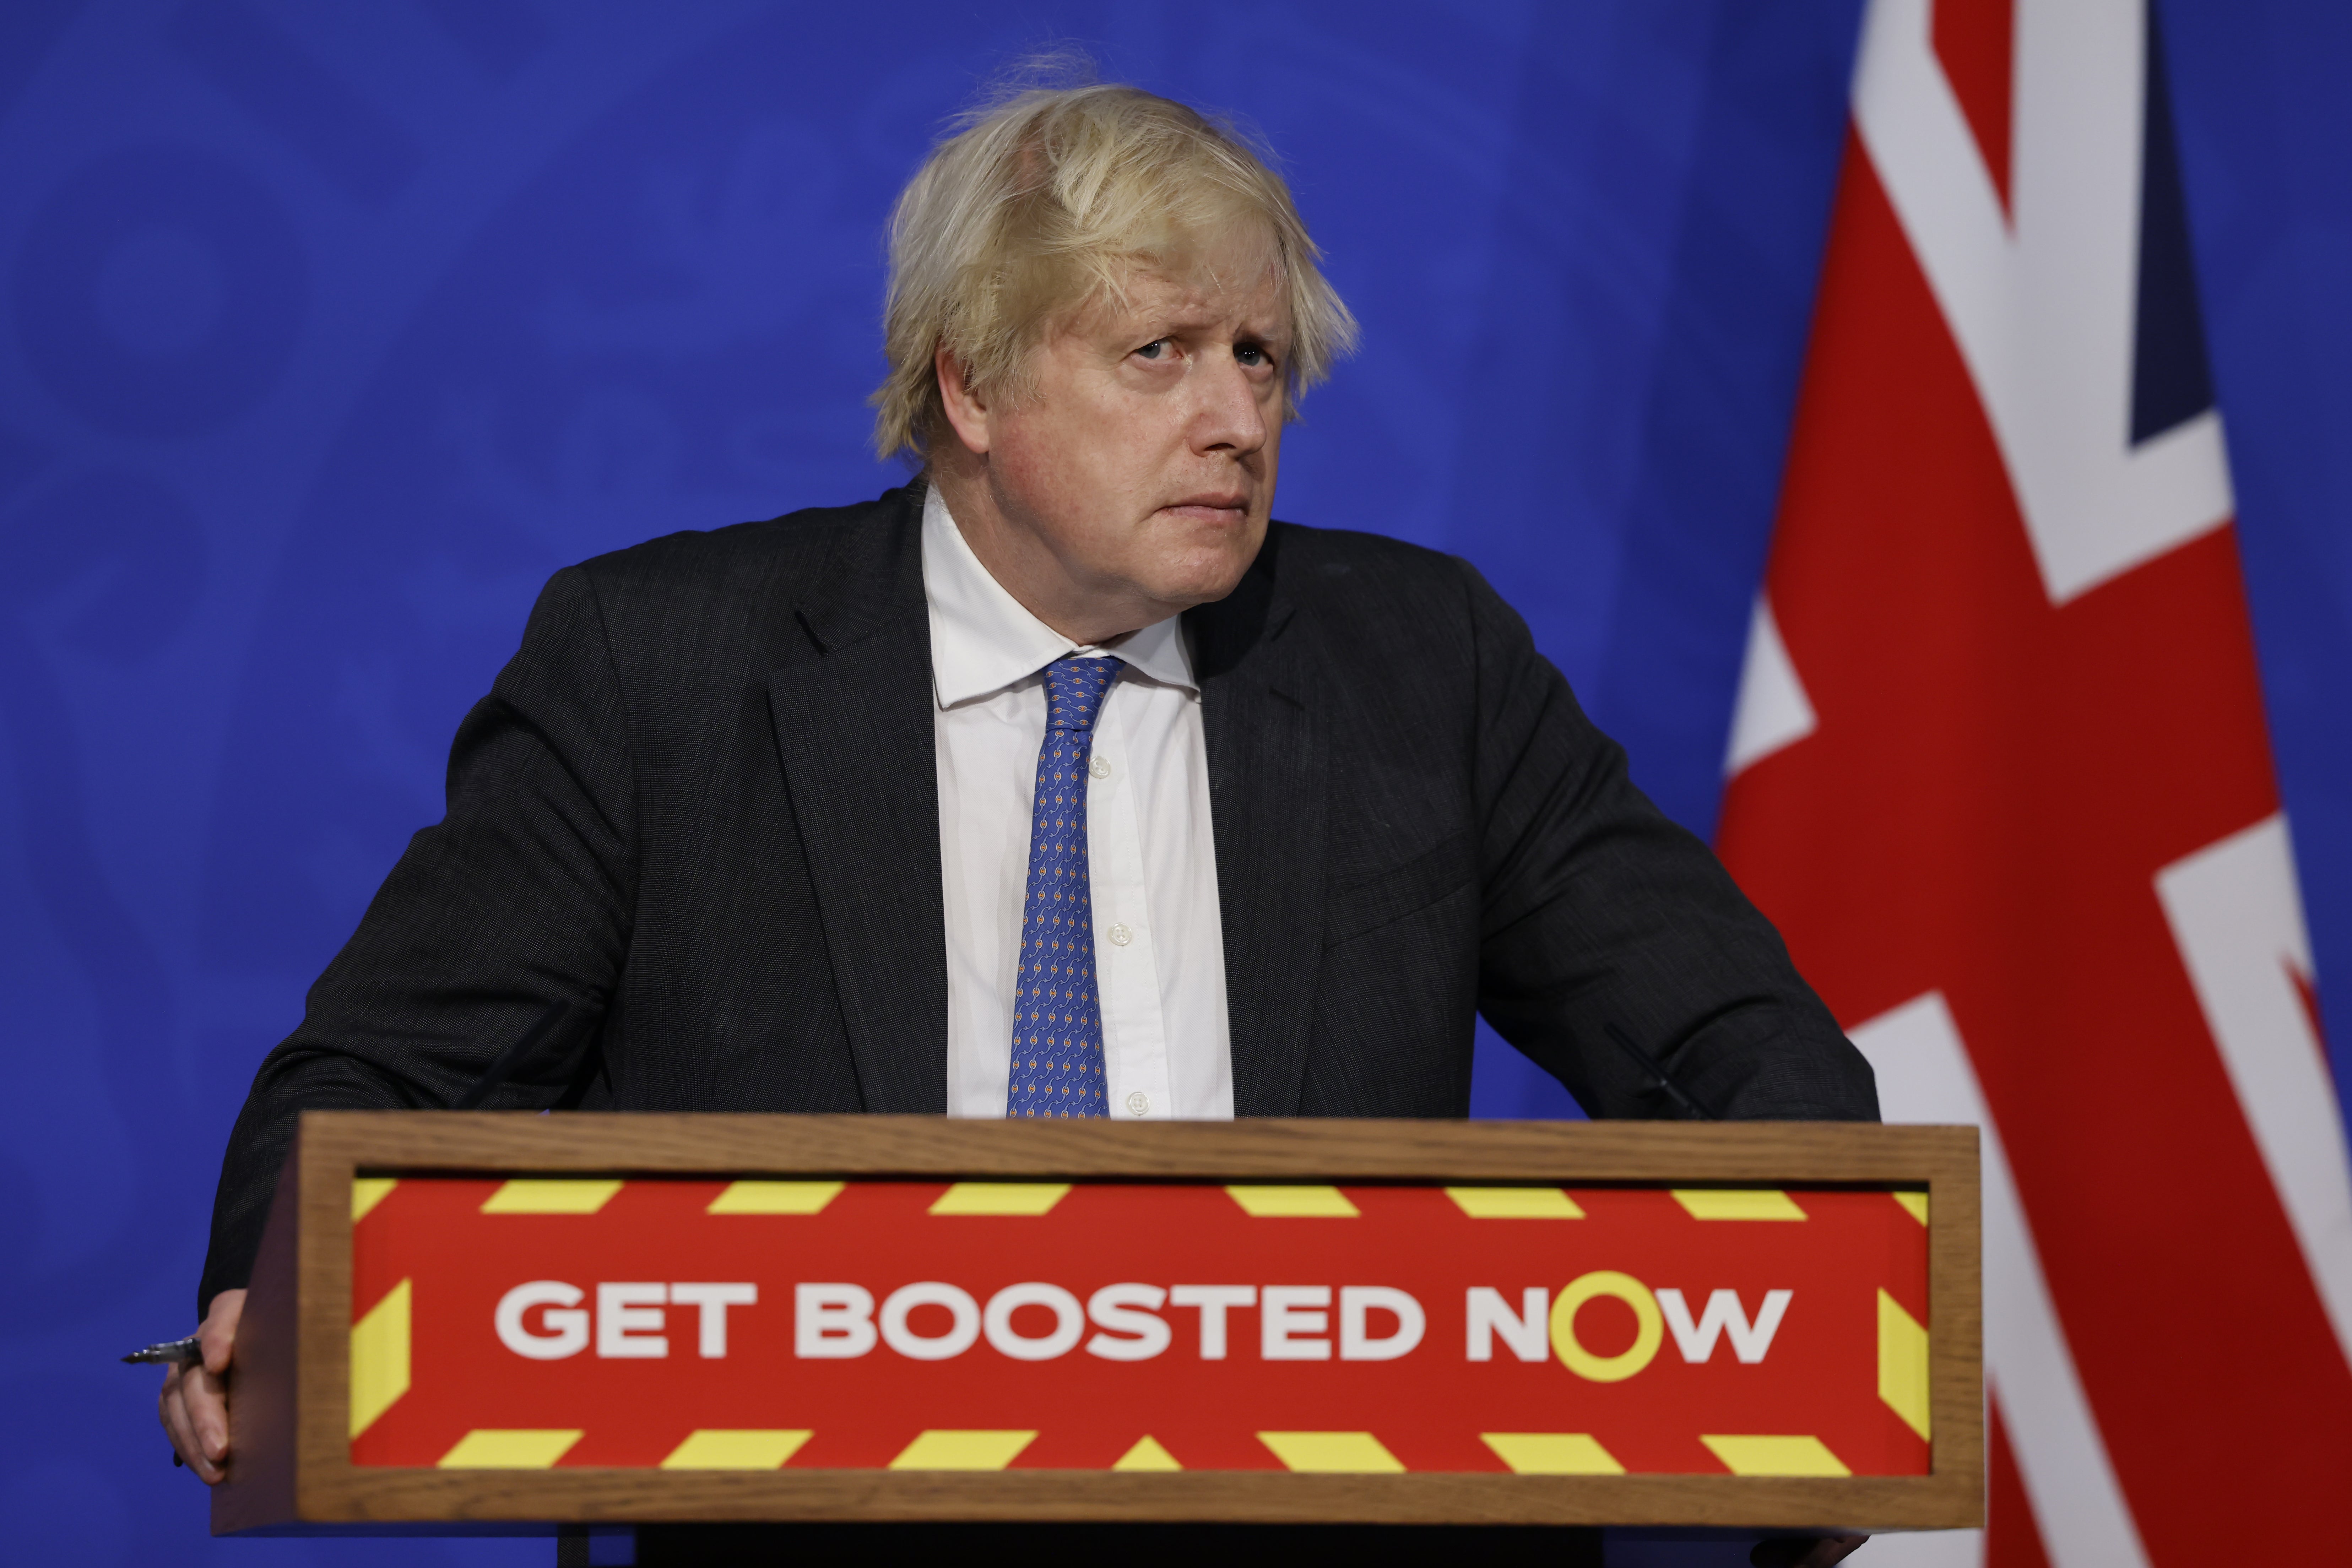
1160	956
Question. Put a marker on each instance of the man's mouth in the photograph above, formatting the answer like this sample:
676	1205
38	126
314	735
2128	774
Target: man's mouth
1222	506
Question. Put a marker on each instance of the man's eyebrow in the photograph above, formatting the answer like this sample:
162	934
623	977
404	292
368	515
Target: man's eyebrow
1259	331
1187	318
1191	319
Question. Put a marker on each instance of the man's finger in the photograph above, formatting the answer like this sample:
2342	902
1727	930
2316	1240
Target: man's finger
182	1433
208	1412
171	1408
217	1337
195	1404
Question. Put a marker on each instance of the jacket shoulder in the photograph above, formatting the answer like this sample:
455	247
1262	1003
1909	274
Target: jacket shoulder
737	586
1339	552
1372	582
795	545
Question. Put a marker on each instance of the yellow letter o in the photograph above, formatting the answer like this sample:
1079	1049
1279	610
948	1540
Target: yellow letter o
1651	1327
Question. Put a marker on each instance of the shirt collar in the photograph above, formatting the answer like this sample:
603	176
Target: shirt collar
983	639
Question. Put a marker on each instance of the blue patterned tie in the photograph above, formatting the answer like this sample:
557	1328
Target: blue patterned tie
1057	1050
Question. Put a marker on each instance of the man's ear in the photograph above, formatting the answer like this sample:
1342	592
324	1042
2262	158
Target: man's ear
967	411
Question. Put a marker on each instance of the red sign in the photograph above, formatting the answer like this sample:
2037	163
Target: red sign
1134	1325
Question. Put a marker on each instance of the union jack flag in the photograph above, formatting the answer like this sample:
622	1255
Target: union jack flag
2000	772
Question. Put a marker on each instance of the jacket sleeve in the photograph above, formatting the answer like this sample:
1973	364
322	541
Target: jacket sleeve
1602	918
518	900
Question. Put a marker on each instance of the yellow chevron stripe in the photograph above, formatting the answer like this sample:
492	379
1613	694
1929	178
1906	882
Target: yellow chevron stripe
510	1448
775	1198
1902	1363
380	1358
1293	1203
735	1448
1002	1197
1332	1453
1147	1455
1552	1452
1717	1203
1794	1455
567	1196
367	1192
958	1450
1916	1202
1515	1202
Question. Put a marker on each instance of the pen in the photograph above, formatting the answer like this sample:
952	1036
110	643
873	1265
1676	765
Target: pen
180	1352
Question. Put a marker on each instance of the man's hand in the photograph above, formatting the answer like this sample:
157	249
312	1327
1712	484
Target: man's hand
194	1403
1804	1551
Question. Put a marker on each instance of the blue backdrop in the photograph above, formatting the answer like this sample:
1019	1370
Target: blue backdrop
331	330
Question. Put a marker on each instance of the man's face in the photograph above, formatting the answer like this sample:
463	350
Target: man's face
1144	464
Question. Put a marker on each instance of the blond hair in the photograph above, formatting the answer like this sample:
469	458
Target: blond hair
1044	199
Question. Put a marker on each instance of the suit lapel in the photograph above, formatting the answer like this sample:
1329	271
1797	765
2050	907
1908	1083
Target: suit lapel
1267	763
852	725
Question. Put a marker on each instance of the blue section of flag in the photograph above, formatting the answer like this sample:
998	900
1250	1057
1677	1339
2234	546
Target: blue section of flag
2171	381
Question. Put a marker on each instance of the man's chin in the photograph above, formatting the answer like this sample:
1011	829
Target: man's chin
1205	580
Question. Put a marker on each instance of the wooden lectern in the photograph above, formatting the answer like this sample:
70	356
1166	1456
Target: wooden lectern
479	1320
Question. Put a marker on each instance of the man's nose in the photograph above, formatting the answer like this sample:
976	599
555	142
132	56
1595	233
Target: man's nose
1227	416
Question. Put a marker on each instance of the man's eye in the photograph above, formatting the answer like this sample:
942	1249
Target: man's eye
1251	355
1153	350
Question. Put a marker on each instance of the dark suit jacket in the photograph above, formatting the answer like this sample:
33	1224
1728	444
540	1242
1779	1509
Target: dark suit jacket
702	803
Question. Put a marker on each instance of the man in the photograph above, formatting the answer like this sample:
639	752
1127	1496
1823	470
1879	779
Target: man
1059	781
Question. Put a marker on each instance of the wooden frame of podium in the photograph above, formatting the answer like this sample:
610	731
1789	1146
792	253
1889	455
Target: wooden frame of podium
290	1401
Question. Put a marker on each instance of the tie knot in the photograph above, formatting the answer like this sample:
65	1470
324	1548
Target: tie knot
1073	692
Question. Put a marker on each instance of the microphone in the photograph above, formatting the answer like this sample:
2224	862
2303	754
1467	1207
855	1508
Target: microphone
513	1057
1691	1108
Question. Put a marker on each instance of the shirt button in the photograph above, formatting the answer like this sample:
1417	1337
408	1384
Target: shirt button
1120	936
1139	1104
1099	768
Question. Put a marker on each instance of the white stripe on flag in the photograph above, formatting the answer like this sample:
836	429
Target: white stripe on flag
1773	710
2237	916
1925	1075
2041	298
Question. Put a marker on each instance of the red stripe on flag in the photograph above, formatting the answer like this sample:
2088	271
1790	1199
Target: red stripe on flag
2307	993
2012	1537
1976	42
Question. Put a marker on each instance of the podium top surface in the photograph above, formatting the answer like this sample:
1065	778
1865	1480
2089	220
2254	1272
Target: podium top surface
1376	1150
